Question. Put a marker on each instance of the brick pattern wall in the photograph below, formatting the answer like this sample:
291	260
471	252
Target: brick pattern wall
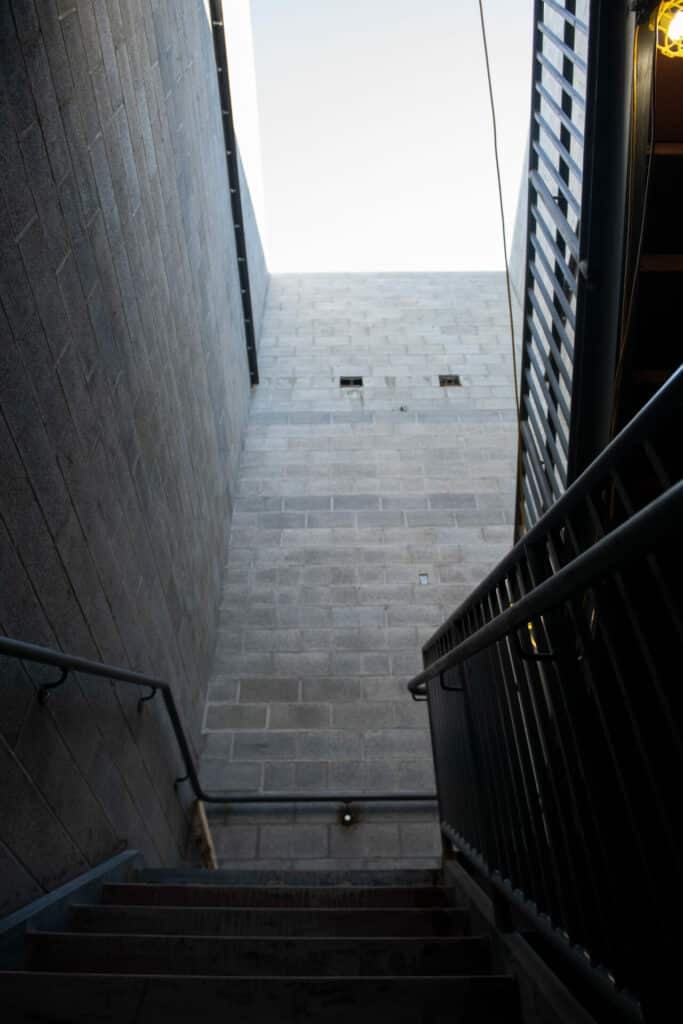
345	497
123	396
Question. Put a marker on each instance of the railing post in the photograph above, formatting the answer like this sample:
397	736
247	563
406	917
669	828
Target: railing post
603	208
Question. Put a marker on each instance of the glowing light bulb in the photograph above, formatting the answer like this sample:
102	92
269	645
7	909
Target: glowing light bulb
675	29
668	23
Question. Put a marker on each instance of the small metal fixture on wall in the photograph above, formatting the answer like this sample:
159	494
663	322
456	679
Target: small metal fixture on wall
346	816
231	160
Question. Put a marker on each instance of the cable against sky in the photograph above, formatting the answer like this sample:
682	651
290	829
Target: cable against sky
375	131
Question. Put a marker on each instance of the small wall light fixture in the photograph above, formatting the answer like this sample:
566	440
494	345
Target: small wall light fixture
423	578
670	28
346	815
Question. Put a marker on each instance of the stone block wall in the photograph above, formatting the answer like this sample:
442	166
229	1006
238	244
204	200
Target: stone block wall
363	517
123	397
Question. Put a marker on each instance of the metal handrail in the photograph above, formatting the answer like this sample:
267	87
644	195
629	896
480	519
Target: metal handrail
638	429
12	648
660	516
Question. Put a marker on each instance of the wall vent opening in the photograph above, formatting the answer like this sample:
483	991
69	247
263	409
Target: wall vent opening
450	380
350	382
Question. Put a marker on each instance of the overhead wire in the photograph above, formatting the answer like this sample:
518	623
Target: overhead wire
499	180
508	285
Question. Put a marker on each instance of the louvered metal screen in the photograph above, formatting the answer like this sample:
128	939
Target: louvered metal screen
553	274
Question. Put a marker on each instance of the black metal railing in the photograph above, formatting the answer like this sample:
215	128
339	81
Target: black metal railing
555	184
555	709
69	664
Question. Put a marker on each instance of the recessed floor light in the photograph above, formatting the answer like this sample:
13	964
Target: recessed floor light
450	380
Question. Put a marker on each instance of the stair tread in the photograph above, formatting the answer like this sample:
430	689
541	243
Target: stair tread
177	894
333	911
479	978
407	939
222	955
268	921
152	999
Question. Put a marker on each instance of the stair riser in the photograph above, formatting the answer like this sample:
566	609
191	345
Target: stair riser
81	998
357	877
246	896
301	923
153	954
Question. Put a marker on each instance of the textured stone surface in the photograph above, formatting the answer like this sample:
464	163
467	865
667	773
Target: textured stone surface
304	836
123	396
345	497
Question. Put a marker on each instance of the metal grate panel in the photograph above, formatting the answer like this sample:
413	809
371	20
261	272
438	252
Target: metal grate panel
556	161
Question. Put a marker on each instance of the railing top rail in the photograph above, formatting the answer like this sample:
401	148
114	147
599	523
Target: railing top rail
657	519
47	656
12	648
668	396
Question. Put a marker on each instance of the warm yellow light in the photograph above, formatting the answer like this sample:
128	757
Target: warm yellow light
670	28
675	30
530	627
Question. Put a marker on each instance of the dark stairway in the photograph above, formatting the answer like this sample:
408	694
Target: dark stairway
353	947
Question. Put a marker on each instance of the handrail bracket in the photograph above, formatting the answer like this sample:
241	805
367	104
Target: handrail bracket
45	689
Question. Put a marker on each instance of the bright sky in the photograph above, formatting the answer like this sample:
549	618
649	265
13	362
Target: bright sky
375	131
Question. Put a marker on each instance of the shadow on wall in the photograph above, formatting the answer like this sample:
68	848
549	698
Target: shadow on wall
124	396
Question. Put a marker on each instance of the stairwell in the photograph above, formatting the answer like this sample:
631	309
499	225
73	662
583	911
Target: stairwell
250	946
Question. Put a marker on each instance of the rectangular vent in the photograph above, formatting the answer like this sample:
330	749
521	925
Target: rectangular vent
450	380
350	382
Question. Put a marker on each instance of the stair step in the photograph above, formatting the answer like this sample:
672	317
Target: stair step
140	999
177	895
367	878
261	921
318	957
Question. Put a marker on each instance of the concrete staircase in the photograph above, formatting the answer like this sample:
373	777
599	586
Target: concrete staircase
327	947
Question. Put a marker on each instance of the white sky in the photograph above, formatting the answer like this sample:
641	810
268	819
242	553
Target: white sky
243	96
375	131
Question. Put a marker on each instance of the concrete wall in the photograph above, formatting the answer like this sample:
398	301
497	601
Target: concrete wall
344	498
124	393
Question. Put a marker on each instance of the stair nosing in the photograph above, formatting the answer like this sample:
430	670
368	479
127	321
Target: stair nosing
386	939
270	889
318	979
122	907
